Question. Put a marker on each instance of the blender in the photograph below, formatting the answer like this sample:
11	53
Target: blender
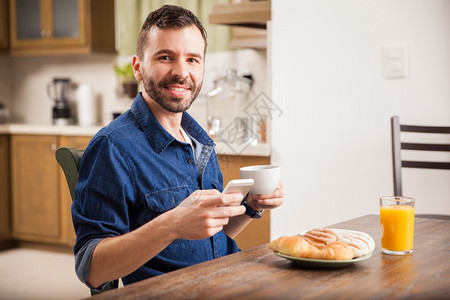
62	111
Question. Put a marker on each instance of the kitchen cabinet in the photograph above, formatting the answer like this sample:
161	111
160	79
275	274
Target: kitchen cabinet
5	202
34	190
49	27
3	25
40	197
258	231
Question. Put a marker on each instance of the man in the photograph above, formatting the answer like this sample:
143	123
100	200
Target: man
138	169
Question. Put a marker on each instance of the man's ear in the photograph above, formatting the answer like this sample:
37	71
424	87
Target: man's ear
137	68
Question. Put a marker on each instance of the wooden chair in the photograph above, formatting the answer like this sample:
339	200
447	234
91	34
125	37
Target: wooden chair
398	146
69	159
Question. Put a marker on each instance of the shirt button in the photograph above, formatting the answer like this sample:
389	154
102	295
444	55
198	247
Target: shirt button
190	161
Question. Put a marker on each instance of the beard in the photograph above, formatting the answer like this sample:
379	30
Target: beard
172	104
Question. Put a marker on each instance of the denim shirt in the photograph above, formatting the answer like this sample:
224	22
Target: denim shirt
133	171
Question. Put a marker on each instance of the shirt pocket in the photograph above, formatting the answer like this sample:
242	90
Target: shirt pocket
166	199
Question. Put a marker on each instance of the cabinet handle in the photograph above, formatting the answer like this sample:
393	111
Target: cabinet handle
46	34
53	147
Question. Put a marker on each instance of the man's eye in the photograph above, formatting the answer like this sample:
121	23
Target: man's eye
192	60
164	58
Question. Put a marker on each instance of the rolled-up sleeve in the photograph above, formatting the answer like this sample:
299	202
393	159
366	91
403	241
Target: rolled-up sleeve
83	262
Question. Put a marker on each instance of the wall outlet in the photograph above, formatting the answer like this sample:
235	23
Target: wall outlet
395	61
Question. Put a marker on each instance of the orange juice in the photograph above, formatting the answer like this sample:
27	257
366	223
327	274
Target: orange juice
397	227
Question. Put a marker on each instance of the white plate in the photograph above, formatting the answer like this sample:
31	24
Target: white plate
323	263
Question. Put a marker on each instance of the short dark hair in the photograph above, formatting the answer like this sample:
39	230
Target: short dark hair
167	16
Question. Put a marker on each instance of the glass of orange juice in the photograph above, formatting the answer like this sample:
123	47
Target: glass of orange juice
397	224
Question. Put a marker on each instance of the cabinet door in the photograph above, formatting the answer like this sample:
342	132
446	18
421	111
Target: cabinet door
258	231
4	25
68	233
47	23
5	200
27	16
36	211
66	19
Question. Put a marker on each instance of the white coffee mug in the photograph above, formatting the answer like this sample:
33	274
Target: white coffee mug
266	178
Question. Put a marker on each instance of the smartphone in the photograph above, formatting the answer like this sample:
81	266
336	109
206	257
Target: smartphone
234	186
238	186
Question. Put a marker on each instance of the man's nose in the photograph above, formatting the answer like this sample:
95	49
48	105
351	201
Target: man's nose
180	70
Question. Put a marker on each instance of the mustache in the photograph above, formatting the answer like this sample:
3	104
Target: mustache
174	80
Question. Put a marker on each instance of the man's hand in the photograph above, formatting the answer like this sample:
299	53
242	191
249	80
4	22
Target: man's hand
204	213
266	201
201	215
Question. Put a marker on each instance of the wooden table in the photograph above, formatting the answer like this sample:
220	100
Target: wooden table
259	274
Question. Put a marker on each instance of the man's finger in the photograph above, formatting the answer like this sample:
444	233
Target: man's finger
227	211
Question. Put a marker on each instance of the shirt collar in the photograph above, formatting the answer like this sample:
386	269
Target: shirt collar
195	130
157	136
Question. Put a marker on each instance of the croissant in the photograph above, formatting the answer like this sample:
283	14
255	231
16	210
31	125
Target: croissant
293	246
321	237
298	246
325	243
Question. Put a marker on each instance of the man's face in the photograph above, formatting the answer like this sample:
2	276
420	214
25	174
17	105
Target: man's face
173	66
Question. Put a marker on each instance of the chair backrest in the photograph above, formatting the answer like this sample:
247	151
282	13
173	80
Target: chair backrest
69	159
398	146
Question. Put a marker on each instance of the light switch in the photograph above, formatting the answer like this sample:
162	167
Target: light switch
395	61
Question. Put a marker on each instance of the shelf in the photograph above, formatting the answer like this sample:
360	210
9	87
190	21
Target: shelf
244	37
254	14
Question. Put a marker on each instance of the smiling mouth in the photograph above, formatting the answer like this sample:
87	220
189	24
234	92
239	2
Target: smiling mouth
178	89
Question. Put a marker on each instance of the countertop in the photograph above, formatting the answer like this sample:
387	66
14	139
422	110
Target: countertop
261	149
69	130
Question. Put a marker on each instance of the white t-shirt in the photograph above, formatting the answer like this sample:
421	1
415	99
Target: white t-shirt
188	140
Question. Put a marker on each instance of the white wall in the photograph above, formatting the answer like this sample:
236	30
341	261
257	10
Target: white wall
24	80
333	138
30	76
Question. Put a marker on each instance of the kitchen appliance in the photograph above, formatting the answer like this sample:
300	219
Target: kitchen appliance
4	114
86	106
58	90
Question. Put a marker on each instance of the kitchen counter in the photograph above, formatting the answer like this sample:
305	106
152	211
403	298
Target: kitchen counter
262	149
69	130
